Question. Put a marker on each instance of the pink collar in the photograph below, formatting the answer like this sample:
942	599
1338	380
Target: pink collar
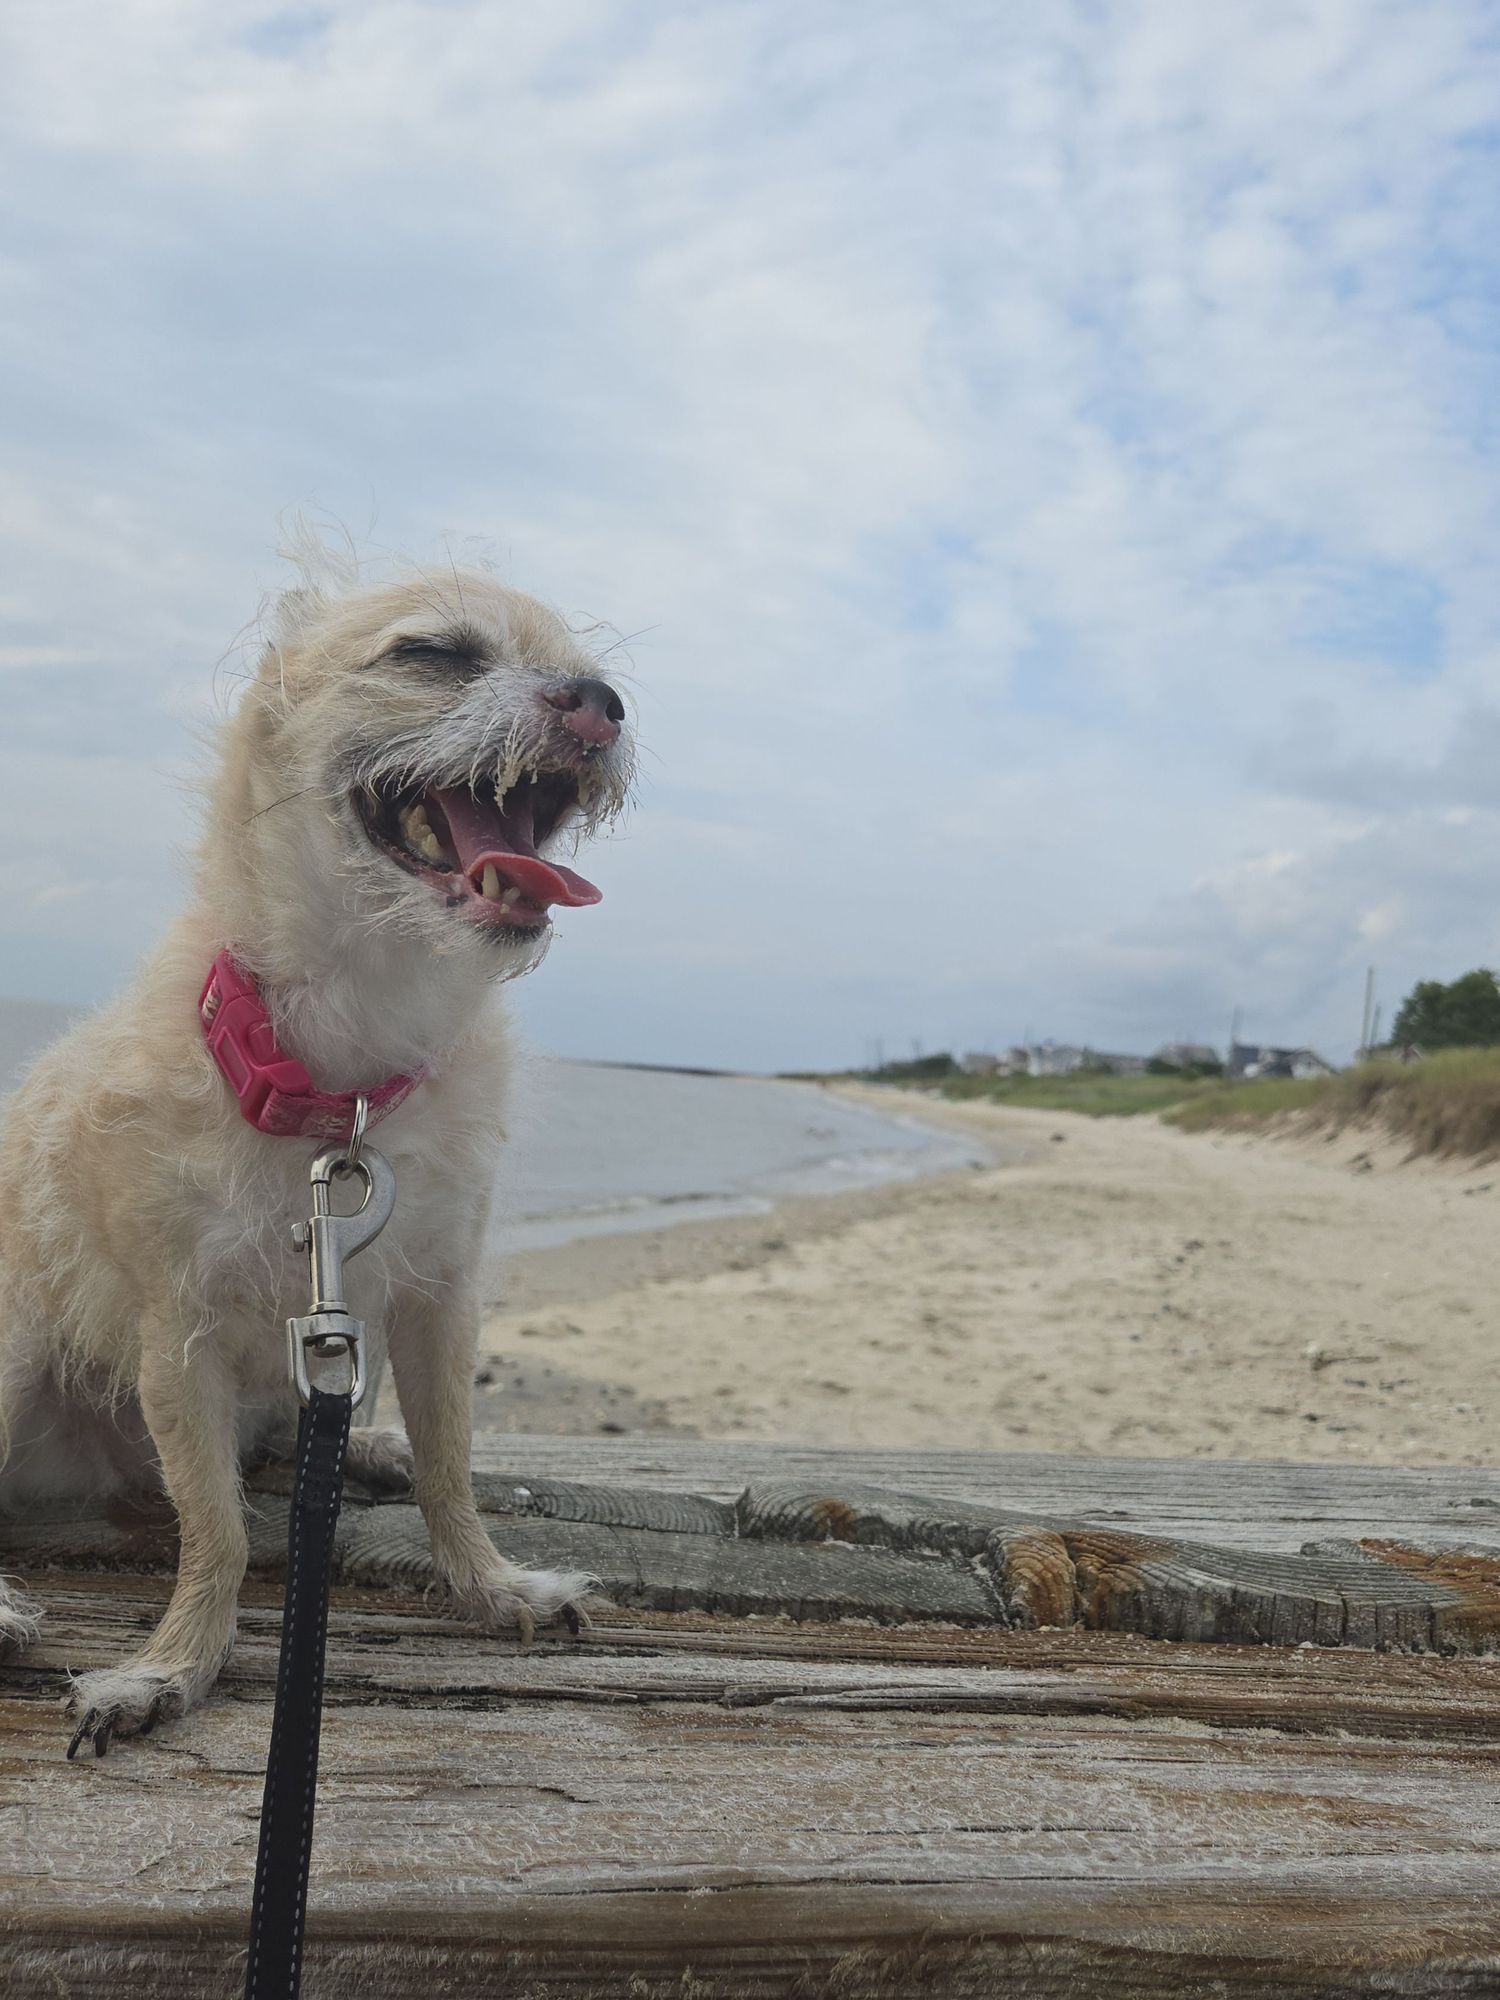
275	1092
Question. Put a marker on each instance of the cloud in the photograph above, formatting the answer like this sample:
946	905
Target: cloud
1046	457
1286	937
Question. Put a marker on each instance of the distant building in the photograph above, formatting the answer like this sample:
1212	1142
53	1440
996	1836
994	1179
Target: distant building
1188	1055
980	1063
1064	1059
1055	1059
1259	1059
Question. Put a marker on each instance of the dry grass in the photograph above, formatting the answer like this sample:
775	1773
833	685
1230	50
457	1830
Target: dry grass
1092	1092
1447	1107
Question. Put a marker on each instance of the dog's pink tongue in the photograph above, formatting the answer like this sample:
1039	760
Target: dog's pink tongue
480	832
539	880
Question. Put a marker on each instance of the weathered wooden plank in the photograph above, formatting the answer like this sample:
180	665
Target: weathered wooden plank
632	1506
846	1549
699	1572
1334	1593
838	1838
384	1645
736	1808
755	1808
1231	1503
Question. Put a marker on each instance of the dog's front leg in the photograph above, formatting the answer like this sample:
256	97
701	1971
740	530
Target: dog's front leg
188	1400
432	1345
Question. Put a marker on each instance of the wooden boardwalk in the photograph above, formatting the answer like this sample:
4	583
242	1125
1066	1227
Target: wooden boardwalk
861	1724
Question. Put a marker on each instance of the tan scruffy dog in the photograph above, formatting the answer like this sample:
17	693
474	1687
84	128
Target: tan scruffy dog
375	860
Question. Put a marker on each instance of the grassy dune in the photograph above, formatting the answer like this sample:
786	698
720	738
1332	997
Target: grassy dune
1447	1107
1096	1095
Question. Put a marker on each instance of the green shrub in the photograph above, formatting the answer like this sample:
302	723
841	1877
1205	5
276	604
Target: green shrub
1447	1107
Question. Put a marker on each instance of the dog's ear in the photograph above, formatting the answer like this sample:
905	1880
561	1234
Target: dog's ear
292	613
327	567
287	623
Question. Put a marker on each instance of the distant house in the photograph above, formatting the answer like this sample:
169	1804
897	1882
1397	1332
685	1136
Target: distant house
980	1063
1259	1059
1064	1059
1055	1059
1187	1055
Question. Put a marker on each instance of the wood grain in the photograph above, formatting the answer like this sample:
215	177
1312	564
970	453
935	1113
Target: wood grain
1230	1502
792	1807
843	1548
627	1817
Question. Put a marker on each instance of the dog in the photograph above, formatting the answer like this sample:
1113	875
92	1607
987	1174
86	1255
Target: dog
379	857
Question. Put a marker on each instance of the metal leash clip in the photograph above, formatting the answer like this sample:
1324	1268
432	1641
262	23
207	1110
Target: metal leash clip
329	1329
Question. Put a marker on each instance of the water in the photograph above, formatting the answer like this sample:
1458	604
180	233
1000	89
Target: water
599	1150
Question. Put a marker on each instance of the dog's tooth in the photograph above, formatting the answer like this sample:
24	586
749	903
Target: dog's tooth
428	845
489	883
511	896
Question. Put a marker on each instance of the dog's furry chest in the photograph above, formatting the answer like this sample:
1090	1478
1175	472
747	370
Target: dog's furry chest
249	1272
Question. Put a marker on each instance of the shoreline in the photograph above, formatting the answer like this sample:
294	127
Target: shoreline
1114	1287
525	1381
592	1265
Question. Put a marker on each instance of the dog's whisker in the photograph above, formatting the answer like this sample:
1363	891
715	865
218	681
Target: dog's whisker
303	793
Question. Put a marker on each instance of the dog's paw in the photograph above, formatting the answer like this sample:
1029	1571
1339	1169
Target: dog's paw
518	1600
125	1701
381	1459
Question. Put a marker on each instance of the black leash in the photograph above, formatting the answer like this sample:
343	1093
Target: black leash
274	1971
279	1908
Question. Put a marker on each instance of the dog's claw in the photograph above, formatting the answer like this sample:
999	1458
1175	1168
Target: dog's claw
117	1703
98	1730
516	1602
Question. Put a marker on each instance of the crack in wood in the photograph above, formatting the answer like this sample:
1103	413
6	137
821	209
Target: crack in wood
858	1551
690	1803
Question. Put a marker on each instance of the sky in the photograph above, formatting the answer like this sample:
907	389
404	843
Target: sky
1045	463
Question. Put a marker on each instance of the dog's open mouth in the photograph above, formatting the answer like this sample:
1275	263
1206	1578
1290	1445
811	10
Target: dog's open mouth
479	849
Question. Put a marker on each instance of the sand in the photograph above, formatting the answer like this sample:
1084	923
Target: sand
1109	1285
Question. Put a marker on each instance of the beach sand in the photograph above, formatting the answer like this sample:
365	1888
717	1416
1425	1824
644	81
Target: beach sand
1111	1286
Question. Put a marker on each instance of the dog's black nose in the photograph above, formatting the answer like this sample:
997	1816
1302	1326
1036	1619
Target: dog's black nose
590	708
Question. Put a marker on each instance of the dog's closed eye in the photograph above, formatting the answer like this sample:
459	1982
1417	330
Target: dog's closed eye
461	651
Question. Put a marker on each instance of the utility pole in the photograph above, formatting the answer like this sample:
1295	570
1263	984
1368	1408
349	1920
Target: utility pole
1234	1037
1367	1023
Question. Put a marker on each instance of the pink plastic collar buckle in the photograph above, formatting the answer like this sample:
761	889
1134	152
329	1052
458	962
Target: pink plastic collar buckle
276	1093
